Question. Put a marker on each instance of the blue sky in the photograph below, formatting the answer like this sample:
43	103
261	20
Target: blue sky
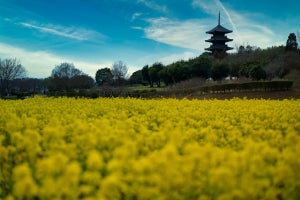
92	34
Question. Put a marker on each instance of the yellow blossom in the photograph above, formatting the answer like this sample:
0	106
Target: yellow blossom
126	148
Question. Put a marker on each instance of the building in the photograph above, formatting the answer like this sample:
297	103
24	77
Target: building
218	40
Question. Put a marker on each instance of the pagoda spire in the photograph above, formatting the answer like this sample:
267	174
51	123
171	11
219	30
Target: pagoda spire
218	39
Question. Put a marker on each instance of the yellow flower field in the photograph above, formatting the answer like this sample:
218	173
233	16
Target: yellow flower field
65	148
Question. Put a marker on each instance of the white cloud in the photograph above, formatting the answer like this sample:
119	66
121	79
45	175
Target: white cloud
191	33
40	63
80	34
245	29
187	34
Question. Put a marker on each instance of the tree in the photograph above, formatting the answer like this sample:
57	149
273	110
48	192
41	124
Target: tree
165	75
145	74
10	69
201	67
241	49
119	71
298	35
66	77
81	82
65	70
245	69
179	71
103	75
136	77
291	43
234	70
154	74
249	49
257	72
27	86
220	70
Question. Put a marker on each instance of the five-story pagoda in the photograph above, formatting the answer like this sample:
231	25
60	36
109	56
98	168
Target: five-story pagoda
218	40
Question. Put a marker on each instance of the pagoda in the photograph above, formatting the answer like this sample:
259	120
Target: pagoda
218	39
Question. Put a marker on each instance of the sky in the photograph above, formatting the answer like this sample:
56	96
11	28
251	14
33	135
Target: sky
93	34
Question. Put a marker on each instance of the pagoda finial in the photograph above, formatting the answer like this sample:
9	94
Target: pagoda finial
219	19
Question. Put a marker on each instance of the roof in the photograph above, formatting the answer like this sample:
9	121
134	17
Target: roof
219	29
218	38
218	48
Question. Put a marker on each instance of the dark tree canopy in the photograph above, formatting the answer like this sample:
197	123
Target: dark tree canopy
145	73
66	70
136	77
179	71
154	74
166	75
27	86
103	75
10	69
257	72
220	70
201	67
291	43
81	82
66	77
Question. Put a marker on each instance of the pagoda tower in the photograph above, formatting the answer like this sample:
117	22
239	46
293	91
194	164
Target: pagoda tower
218	39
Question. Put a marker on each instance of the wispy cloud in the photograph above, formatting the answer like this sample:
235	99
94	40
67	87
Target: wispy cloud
186	34
207	6
153	5
75	33
245	29
135	16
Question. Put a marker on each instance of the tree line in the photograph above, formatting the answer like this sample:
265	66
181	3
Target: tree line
248	62
65	78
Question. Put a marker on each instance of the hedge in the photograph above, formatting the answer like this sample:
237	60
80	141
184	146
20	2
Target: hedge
249	86
234	87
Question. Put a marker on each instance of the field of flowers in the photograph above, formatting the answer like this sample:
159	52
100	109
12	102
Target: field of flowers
65	148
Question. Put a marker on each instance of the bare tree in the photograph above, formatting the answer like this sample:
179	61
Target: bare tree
10	69
66	70
65	77
119	71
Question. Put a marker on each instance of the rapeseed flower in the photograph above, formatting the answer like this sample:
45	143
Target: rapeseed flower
126	148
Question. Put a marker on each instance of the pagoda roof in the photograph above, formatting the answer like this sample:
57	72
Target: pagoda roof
219	29
218	48
219	38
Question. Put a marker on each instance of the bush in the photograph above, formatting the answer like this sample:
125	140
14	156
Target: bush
220	70
257	72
